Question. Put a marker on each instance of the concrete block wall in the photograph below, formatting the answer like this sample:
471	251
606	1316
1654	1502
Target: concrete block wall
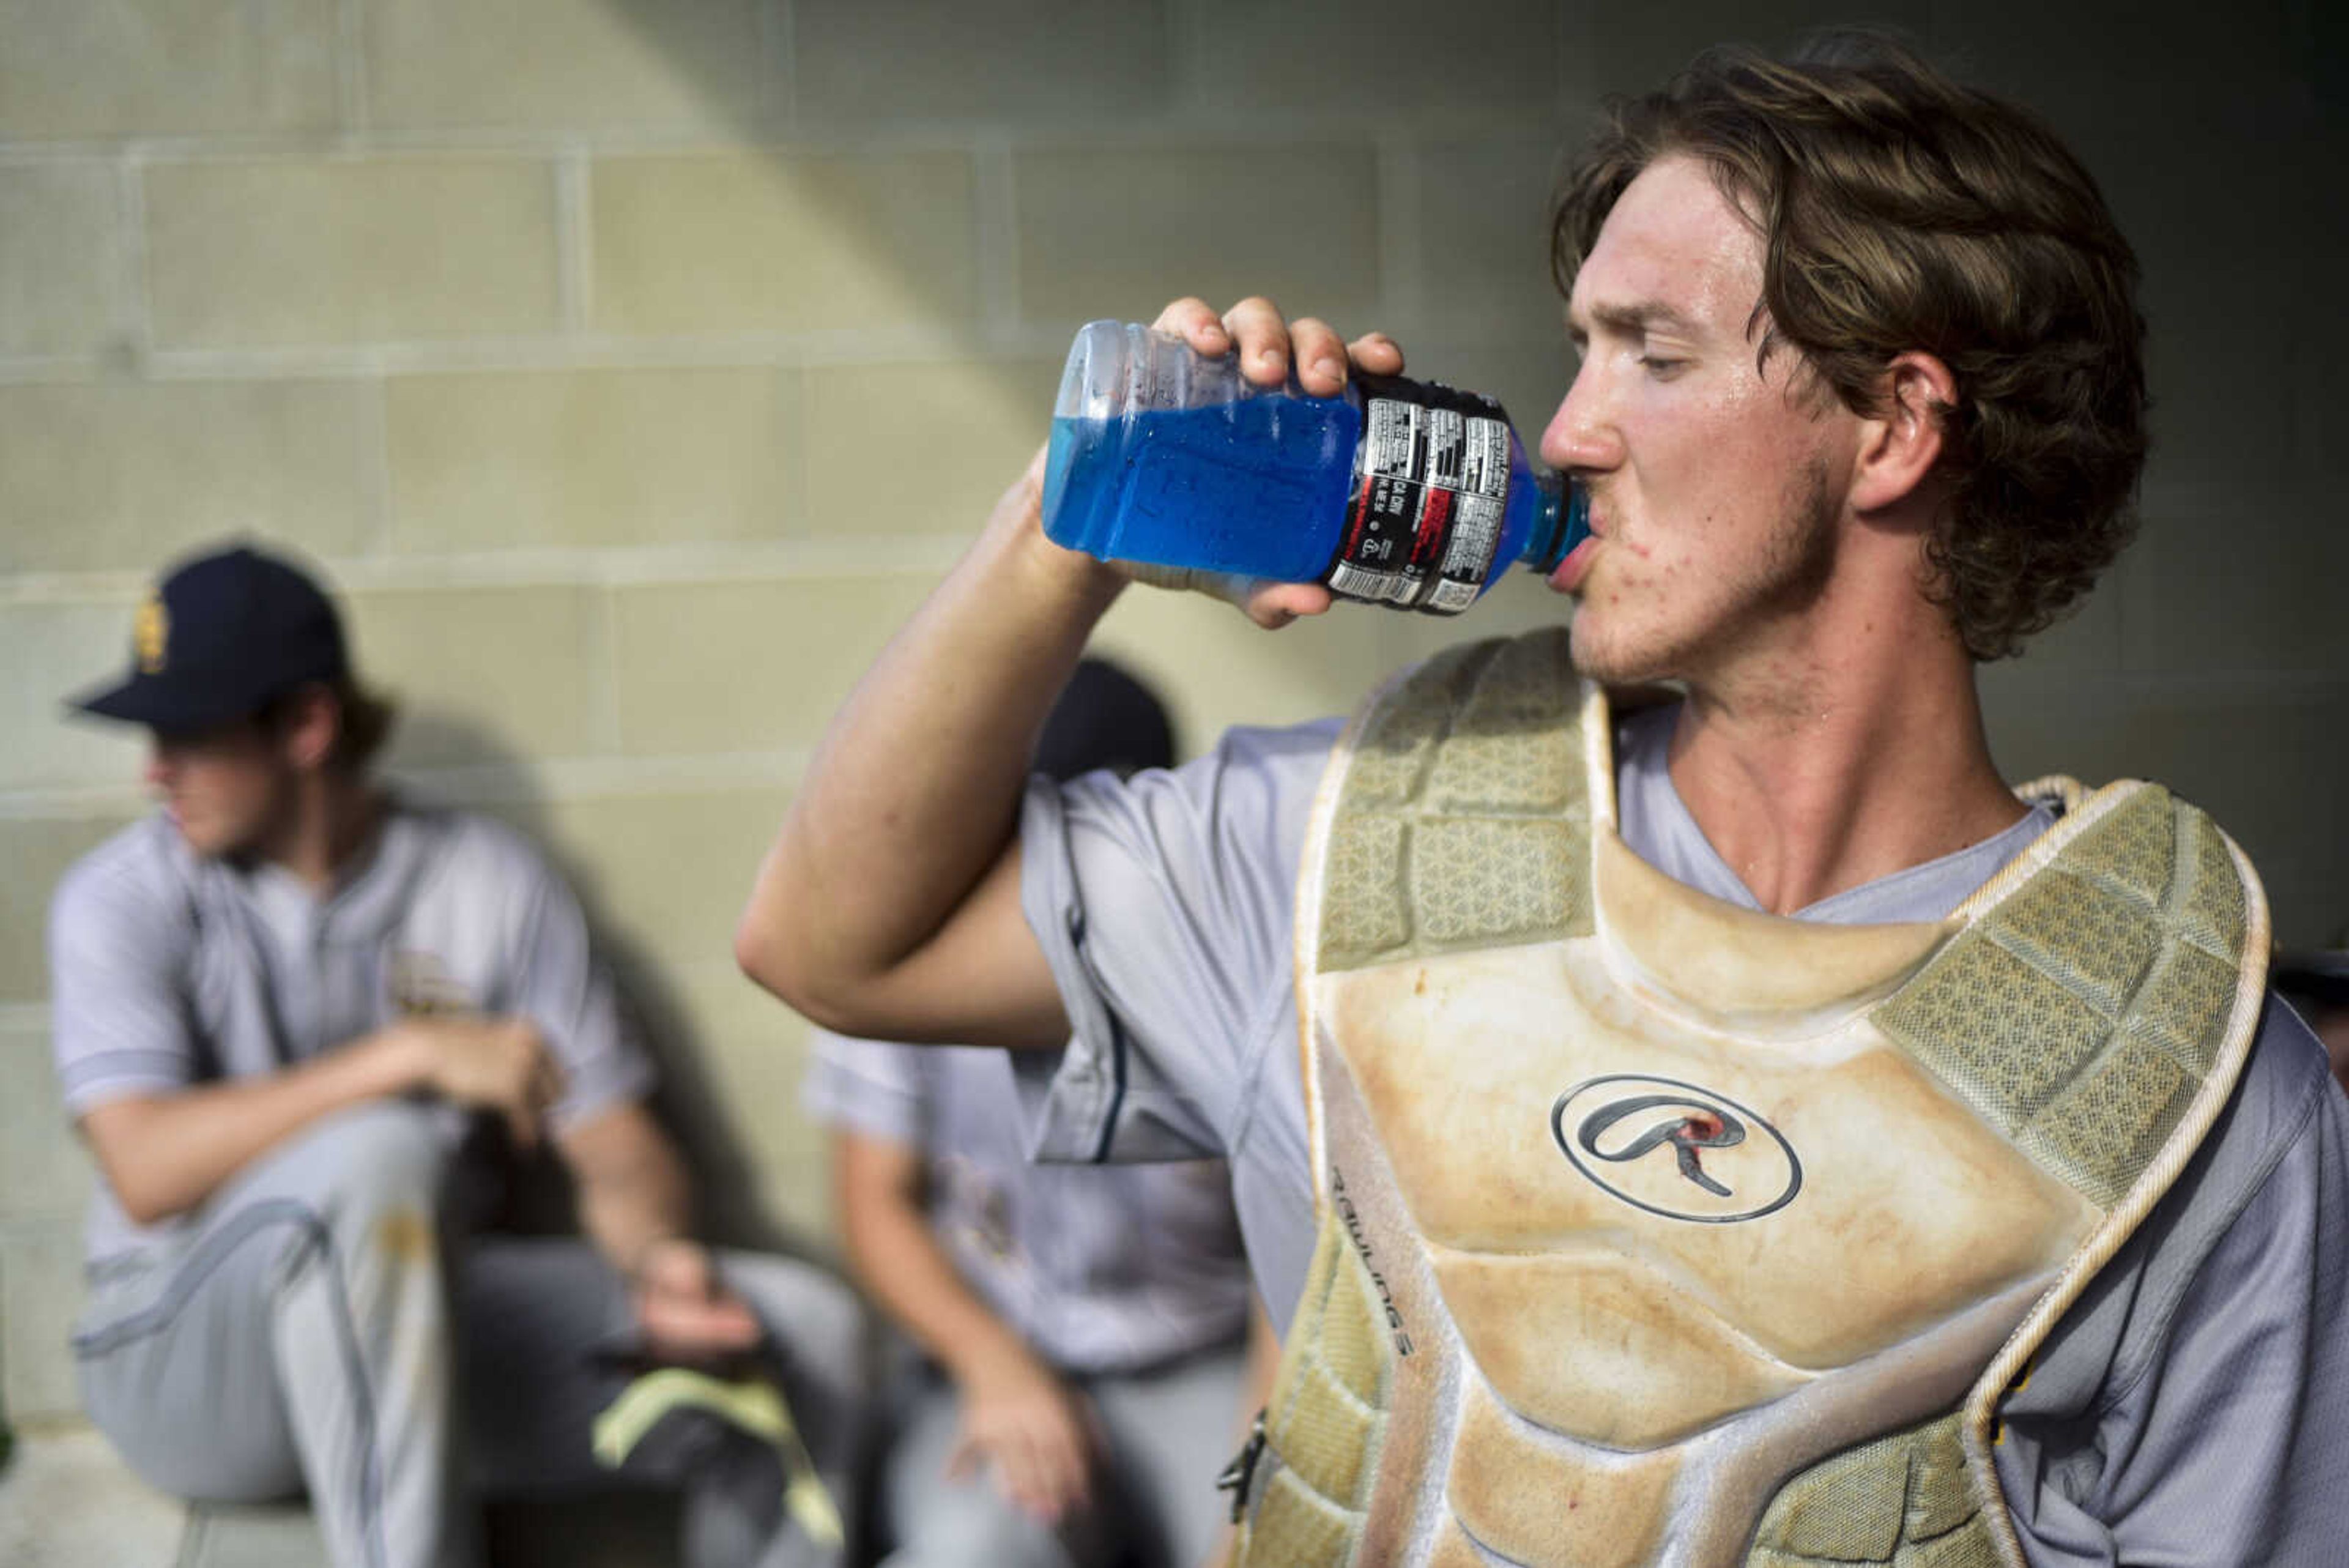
635	365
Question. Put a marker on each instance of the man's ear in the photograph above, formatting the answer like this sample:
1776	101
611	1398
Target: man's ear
1902	440
313	722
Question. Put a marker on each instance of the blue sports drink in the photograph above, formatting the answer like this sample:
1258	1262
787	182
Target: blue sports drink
1407	493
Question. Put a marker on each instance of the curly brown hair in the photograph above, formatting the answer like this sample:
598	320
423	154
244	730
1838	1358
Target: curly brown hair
364	723
1902	211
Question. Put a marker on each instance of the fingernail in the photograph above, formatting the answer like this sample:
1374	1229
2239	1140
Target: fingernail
1329	368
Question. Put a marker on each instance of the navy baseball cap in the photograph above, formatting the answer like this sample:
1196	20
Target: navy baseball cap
1104	719
2319	975
218	639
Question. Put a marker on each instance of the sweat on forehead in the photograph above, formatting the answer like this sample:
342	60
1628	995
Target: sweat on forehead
1673	260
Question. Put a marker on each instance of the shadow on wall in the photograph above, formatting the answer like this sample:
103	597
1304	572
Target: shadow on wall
501	783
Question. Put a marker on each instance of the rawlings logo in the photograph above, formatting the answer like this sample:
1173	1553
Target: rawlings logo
1623	1119
1352	1219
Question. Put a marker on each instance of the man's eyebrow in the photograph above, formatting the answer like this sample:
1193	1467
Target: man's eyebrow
1631	320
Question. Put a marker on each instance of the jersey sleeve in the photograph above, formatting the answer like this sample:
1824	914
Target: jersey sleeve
558	982
119	936
2211	1423
1163	906
875	1087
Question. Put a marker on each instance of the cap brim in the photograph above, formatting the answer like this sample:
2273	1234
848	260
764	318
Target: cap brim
162	705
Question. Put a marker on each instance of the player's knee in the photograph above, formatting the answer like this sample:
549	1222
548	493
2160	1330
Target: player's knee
383	1167
812	1310
820	1332
990	1530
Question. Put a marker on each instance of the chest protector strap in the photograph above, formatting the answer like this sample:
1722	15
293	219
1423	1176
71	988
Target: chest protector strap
1459	1386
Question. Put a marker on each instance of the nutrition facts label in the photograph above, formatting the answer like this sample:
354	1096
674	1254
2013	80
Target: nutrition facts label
1431	478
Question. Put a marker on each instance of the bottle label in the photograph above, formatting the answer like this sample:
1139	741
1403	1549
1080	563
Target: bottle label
1431	477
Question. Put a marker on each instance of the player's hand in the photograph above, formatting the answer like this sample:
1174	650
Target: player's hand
1269	345
1271	349
497	1064
687	1311
1034	1433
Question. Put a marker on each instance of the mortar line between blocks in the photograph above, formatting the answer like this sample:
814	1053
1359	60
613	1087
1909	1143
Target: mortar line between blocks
553	351
134	301
1231	130
568	775
607	729
350	67
780	561
1402	290
489	357
799	450
575	251
58	369
995	218
779	87
1175	39
378	492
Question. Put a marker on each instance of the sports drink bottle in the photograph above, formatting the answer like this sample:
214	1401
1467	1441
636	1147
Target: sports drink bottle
1407	493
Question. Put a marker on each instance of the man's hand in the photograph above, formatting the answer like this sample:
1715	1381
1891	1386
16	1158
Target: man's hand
488	1063
687	1312
1268	345
1035	1431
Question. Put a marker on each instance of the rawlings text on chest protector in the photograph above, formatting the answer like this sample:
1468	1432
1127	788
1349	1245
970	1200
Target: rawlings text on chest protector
1658	1231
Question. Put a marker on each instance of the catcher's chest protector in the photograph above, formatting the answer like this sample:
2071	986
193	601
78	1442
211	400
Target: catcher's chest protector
1655	1231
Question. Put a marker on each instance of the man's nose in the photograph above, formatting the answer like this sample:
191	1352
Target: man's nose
161	765
1581	436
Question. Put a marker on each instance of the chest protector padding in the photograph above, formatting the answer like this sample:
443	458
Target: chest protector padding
1658	1231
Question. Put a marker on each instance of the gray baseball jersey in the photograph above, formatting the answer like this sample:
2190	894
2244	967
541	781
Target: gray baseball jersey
169	970
2193	1407
1099	1271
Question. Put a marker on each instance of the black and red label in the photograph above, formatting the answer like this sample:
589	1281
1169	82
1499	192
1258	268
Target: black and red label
1431	477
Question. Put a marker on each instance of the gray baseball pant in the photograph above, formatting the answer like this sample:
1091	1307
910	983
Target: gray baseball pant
309	1334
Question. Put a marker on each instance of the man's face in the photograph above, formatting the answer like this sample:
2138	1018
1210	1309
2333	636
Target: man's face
1714	485
227	790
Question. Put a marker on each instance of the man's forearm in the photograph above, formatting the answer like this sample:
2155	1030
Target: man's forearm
166	1154
633	1185
903	821
898	1260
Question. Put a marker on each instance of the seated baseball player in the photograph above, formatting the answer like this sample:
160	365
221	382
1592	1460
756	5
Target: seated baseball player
295	1012
1081	1329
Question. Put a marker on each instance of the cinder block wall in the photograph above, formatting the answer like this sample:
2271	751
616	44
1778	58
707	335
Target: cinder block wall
635	365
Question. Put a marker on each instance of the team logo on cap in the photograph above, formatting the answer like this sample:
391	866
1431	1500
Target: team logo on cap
1676	1149
150	632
